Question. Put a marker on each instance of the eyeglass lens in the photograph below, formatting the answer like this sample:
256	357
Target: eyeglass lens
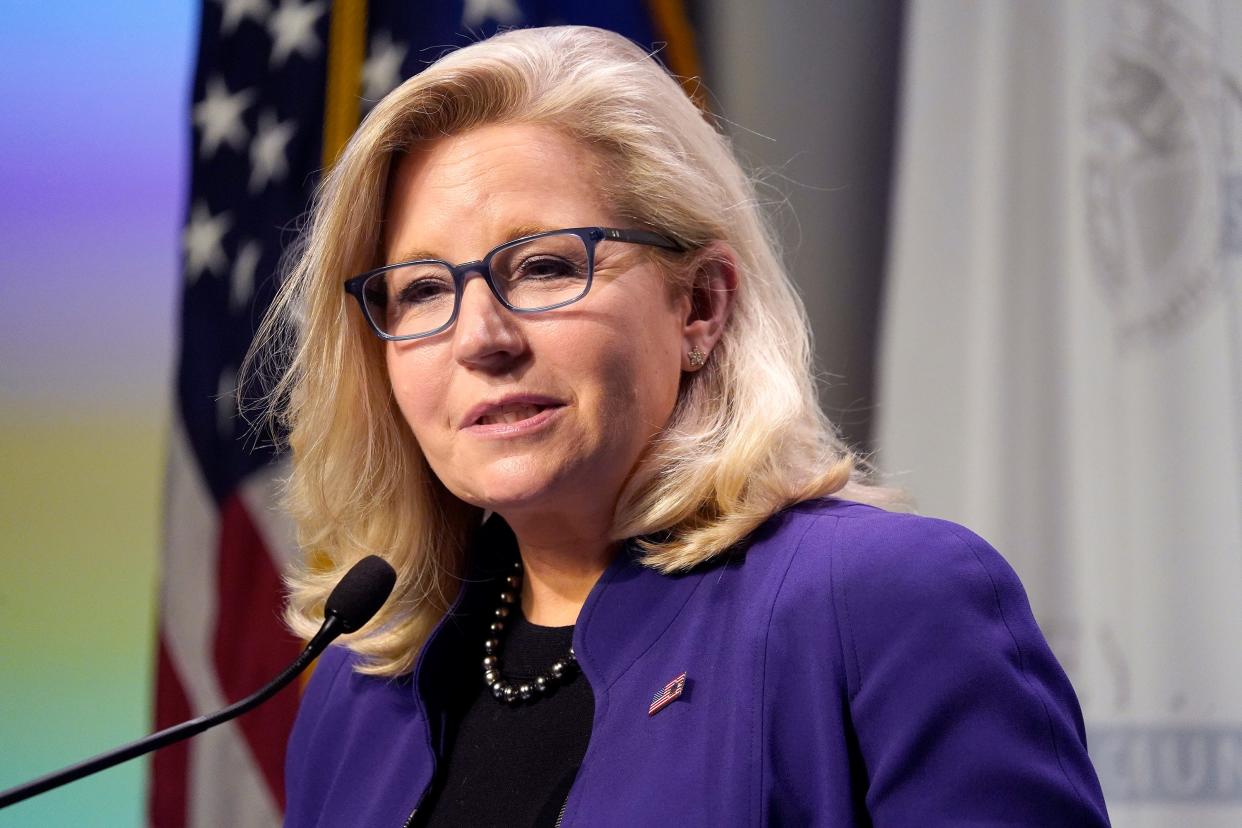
535	274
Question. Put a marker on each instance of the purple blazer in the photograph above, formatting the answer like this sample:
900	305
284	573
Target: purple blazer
853	667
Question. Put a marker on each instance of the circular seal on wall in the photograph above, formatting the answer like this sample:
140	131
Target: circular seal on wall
1154	190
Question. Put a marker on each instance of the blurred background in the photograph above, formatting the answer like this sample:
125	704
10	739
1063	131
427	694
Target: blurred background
1017	228
92	192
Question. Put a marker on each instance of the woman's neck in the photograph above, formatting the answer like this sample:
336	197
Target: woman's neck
557	578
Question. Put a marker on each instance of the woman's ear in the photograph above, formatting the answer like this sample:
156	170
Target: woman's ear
711	302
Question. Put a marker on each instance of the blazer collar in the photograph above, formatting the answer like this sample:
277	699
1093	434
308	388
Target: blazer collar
627	611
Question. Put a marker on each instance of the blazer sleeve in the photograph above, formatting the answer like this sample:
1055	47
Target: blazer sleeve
961	711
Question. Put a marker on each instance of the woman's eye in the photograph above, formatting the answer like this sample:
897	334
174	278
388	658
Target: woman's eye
421	291
546	267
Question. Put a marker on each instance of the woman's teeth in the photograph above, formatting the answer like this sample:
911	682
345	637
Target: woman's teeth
510	414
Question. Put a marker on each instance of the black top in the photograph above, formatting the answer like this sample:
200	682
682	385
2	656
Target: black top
513	765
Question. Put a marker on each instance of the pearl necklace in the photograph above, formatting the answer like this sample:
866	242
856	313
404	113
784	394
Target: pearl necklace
501	687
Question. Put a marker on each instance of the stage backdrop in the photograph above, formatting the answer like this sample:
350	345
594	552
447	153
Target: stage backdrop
1063	355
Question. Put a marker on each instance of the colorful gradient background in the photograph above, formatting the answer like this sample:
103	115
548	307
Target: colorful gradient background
92	141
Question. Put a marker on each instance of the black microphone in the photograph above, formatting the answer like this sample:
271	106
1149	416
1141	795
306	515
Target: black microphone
357	597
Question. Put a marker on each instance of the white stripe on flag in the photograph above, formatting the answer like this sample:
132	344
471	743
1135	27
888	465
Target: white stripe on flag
188	583
261	492
225	785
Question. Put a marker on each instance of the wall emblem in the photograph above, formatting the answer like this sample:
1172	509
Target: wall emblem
1163	204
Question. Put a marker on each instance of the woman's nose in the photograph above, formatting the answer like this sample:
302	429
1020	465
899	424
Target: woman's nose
486	333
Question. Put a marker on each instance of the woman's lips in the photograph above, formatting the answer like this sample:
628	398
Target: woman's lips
514	415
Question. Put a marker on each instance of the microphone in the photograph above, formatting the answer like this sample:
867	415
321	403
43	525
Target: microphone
352	603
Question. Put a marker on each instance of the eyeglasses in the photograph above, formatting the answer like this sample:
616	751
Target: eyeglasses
411	300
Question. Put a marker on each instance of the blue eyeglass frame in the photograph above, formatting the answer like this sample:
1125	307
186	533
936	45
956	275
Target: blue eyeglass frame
591	236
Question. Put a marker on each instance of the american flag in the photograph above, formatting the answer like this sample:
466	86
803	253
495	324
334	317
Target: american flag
667	694
278	87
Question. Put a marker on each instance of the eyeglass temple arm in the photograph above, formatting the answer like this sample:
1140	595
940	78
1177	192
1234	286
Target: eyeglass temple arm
644	237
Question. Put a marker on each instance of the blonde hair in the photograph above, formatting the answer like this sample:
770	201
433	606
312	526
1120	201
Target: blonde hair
746	439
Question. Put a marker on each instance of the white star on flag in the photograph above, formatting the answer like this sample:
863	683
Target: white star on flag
202	238
382	71
477	12
292	27
235	11
241	281
267	151
218	117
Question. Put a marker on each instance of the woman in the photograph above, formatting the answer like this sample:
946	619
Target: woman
637	581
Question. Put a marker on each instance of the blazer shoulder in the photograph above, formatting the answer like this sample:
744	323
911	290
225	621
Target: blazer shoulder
883	574
865	545
335	661
946	674
334	664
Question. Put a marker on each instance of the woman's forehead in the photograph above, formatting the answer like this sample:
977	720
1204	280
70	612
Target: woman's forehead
491	185
477	155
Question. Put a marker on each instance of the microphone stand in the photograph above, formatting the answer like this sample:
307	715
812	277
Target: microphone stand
332	627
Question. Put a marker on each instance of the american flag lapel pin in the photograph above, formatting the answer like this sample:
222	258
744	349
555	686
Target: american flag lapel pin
667	694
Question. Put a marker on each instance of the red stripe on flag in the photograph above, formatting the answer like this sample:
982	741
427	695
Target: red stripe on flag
170	766
251	643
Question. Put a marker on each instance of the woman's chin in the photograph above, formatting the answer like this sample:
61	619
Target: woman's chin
510	496
527	484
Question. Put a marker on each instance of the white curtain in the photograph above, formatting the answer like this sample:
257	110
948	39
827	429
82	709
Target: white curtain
1061	365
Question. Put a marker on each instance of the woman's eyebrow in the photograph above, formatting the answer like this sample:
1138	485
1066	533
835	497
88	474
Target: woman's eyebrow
520	230
515	232
413	255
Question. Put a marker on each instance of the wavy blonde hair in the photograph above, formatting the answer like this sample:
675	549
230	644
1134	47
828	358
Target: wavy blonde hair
746	439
